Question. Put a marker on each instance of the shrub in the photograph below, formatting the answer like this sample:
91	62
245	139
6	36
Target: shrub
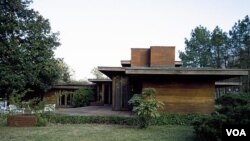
64	119
164	119
41	121
233	109
3	119
146	107
82	97
177	119
34	105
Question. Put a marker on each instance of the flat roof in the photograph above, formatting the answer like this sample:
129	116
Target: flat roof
125	62
99	80
117	69
185	71
71	86
162	46
174	71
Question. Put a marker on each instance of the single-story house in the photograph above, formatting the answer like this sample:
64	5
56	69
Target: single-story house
62	94
183	90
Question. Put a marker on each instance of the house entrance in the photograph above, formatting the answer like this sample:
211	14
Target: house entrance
64	99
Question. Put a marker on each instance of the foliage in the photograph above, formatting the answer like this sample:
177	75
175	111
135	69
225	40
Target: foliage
3	119
146	107
63	119
97	73
163	119
63	71
177	119
34	105
218	49
197	51
234	109
82	97
27	47
240	44
16	98
41	121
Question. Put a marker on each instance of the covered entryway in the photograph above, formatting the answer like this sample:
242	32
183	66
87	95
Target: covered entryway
103	94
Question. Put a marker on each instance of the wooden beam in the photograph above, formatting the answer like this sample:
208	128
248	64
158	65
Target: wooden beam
167	71
102	92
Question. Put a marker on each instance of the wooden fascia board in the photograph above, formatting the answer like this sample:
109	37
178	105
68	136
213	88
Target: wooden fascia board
228	83
117	69
99	80
187	72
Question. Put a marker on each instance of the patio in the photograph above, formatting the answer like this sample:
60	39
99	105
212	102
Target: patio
93	111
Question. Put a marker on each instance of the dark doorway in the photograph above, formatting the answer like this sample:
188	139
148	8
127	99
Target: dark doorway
107	94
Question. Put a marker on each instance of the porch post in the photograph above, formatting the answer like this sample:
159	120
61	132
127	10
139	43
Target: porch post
102	93
98	92
109	94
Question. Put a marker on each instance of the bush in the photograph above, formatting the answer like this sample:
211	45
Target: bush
3	119
35	104
82	97
164	119
146	107
41	121
177	119
233	109
64	119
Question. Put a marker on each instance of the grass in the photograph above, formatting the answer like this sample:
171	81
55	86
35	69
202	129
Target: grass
97	132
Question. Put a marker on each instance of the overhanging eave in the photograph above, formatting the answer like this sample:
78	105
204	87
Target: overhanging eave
111	71
209	72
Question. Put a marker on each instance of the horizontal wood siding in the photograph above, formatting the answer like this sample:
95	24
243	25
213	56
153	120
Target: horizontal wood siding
180	97
50	97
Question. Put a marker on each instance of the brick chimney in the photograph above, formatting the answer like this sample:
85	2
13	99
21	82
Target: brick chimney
155	56
140	57
162	56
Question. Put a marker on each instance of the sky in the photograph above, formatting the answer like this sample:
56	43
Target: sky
102	32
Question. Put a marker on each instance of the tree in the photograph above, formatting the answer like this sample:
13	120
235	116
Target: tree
216	49
198	49
64	71
27	47
240	44
97	73
219	48
240	49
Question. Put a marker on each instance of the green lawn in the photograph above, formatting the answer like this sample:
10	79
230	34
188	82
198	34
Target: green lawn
97	132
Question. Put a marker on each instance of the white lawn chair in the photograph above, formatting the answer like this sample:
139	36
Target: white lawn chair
49	107
14	109
3	108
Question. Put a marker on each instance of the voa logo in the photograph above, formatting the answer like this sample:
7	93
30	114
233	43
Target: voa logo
236	132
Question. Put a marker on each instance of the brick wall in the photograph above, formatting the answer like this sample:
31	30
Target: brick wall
21	120
140	57
162	56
